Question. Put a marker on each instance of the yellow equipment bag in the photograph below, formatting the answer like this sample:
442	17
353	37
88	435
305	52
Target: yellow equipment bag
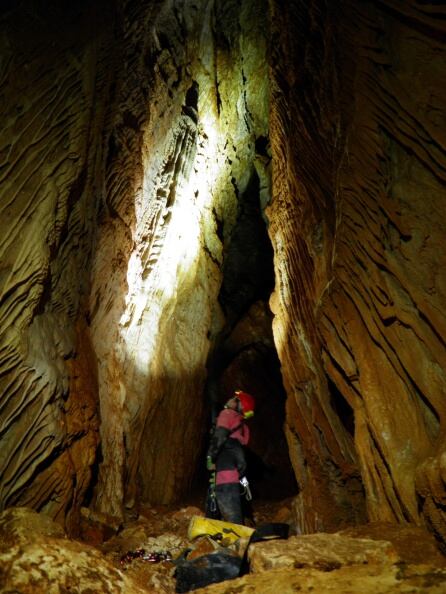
224	532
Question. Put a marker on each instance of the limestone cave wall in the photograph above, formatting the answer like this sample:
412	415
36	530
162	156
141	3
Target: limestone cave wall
146	149
357	132
55	81
129	128
183	156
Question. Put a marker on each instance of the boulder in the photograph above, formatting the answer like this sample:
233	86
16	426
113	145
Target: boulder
37	558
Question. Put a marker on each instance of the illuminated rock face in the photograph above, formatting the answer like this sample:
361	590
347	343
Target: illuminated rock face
175	190
132	155
129	139
358	140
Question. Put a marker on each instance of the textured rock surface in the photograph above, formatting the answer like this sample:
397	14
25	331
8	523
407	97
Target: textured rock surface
413	544
375	558
37	558
184	157
358	139
347	580
302	218
320	551
156	106
54	86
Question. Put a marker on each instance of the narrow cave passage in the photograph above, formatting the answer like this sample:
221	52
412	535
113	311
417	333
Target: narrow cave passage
192	285
244	356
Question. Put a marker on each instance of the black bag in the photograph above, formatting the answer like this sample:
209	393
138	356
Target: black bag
207	569
270	532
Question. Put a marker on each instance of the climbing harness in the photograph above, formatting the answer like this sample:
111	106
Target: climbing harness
212	495
246	489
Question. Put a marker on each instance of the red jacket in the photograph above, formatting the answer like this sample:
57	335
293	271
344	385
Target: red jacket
226	449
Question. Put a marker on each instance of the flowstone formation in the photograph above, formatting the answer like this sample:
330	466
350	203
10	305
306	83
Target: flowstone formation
358	141
183	158
54	87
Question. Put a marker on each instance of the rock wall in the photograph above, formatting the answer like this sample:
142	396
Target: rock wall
182	154
55	81
134	143
129	128
358	144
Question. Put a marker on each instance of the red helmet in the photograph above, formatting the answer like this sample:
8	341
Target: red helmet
247	403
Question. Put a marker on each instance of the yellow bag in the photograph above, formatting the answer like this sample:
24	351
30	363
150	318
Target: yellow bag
224	532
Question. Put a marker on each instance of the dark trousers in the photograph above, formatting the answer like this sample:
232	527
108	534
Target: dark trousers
229	502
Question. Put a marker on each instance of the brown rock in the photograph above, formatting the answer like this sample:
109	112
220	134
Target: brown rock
357	185
36	558
133	142
93	521
413	544
368	579
320	551
21	524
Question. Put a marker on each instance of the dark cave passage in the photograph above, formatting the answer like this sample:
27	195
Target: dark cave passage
244	356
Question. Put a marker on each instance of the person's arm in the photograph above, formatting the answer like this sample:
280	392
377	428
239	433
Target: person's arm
240	458
218	439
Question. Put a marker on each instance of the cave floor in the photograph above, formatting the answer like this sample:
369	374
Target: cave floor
36	556
374	558
156	529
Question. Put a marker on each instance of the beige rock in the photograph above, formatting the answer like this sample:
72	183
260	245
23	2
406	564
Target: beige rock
320	551
50	566
368	579
36	558
413	544
21	524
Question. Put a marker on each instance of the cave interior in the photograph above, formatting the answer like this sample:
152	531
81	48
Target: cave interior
209	195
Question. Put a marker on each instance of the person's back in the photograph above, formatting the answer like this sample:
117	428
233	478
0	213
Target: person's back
227	456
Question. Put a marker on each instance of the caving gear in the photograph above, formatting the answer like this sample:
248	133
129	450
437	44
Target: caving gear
231	541
217	529
211	499
229	502
150	556
208	569
247	403
225	449
246	489
226	562
270	532
227	454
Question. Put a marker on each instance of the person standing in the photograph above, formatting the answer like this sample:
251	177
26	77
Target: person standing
227	457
